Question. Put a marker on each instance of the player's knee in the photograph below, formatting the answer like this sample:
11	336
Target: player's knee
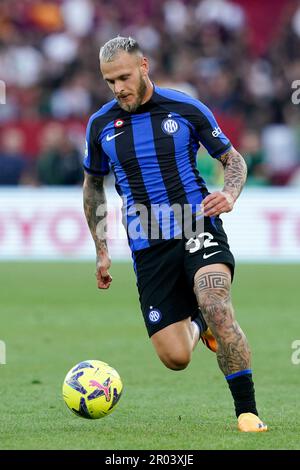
175	361
212	298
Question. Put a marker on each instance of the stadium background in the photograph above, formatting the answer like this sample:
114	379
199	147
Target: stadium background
241	58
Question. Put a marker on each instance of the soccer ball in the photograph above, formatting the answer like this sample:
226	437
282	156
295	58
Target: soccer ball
92	389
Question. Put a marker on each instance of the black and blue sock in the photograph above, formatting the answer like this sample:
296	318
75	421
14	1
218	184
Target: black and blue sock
242	389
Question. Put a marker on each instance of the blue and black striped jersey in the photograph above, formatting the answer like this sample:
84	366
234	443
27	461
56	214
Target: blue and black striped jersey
153	152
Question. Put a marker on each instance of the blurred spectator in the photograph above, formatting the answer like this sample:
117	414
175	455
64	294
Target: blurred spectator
78	16
258	171
146	36
60	161
296	21
226	13
295	178
46	15
279	144
12	159
72	99
210	169
60	48
176	16
21	65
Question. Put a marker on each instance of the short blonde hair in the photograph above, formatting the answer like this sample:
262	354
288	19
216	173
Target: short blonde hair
112	47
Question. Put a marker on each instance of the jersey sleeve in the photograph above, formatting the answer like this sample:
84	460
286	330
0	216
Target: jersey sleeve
95	161
209	133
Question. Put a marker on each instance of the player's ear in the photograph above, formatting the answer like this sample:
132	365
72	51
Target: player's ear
144	66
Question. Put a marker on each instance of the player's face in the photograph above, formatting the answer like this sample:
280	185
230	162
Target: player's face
127	77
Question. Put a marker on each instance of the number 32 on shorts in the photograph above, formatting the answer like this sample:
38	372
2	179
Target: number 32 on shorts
195	244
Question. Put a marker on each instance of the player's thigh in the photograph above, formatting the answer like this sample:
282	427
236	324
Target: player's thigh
173	344
213	275
213	250
164	294
212	288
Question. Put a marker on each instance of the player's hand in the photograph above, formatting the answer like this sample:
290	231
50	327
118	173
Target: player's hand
216	203
103	277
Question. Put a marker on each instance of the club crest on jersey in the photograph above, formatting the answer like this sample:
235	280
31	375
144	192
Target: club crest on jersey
118	123
170	126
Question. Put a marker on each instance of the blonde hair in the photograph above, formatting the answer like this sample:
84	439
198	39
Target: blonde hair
112	47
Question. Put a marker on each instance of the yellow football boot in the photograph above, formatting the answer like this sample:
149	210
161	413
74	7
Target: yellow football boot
249	422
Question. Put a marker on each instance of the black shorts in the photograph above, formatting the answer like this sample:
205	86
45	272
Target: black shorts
165	274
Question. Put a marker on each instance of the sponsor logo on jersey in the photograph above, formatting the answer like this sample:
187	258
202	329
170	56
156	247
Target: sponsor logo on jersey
208	255
113	136
217	131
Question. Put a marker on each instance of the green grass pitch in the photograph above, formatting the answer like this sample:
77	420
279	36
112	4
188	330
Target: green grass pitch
52	316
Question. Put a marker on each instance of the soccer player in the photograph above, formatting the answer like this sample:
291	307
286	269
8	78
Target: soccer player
149	137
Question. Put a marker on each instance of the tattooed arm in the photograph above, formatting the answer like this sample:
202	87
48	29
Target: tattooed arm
235	173
94	202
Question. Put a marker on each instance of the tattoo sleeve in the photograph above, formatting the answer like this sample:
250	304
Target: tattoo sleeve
94	202
235	172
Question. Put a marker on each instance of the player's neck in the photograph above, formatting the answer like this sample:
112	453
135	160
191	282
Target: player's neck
149	91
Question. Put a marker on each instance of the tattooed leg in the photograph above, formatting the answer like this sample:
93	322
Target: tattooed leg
212	289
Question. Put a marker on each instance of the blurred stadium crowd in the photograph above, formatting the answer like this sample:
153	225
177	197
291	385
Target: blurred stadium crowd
239	57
